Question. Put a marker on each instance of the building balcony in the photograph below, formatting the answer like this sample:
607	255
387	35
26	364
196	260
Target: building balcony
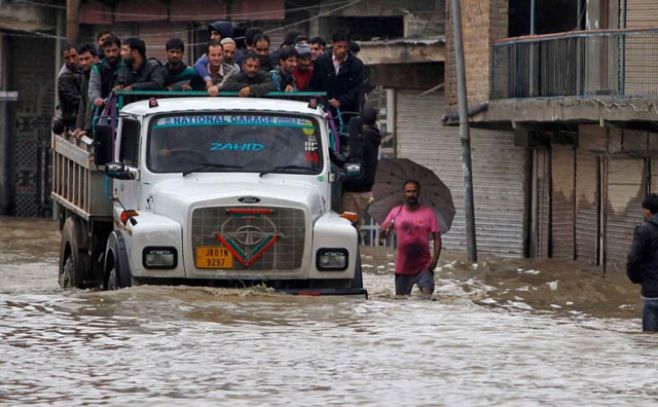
618	63
608	77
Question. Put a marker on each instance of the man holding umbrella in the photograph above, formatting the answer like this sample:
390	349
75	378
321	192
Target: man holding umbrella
414	223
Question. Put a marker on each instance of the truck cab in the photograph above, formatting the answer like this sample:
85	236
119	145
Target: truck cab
216	191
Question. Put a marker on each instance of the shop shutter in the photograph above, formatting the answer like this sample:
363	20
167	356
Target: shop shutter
499	173
626	189
641	14
638	69
587	206
562	198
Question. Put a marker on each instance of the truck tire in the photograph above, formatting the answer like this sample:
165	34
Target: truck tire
74	262
117	271
357	281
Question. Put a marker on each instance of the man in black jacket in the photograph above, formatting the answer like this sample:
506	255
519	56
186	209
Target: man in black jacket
341	75
642	265
69	86
139	73
250	81
364	150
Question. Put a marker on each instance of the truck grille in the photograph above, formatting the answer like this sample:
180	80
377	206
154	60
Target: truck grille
260	238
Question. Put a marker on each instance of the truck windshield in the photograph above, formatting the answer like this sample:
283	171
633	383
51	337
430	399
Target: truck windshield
229	142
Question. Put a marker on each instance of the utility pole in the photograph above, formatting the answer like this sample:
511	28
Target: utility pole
464	133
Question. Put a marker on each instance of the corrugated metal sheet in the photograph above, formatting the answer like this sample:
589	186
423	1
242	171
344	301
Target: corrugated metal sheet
146	10
562	198
252	10
499	173
641	13
197	10
587	206
95	13
654	175
626	189
156	35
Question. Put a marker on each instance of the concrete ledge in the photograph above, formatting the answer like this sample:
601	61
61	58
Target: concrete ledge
595	109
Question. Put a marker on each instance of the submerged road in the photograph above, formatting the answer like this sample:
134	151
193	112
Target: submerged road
502	333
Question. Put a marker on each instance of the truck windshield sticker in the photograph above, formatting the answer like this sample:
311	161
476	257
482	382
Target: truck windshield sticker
236	120
236	147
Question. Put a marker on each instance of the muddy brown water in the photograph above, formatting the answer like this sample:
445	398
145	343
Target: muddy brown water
504	332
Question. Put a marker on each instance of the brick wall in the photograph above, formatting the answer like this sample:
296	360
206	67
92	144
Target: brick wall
32	75
483	21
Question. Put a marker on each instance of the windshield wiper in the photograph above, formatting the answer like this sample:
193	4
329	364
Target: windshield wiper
285	167
204	166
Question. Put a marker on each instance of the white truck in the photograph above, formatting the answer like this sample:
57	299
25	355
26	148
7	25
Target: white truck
221	191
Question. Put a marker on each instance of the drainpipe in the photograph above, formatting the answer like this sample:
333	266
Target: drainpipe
464	133
532	16
72	25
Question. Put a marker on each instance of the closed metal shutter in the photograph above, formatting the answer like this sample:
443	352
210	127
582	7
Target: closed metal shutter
562	214
641	14
156	35
626	189
587	206
638	68
499	173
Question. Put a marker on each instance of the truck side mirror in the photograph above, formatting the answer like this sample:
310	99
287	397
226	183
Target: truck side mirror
119	170
103	144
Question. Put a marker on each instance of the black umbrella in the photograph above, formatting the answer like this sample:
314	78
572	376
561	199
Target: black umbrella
388	192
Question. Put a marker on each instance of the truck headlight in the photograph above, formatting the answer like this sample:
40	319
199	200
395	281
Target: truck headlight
332	259
160	257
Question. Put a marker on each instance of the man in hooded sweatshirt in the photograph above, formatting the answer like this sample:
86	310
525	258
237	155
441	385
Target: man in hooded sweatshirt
642	264
217	31
363	149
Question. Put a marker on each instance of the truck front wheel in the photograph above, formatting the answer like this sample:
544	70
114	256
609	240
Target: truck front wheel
74	262
116	264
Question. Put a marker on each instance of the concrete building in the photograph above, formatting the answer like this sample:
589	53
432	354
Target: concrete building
576	93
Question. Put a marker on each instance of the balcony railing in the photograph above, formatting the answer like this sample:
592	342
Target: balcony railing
584	63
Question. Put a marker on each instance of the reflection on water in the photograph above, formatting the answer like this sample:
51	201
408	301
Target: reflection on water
503	333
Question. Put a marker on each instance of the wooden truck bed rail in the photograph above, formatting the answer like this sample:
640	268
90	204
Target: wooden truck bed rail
78	183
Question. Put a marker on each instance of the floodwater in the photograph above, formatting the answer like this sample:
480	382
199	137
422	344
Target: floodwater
503	333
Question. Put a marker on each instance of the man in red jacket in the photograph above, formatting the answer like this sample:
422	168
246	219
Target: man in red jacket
304	70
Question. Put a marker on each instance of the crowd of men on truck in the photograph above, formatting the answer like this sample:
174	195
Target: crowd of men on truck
92	71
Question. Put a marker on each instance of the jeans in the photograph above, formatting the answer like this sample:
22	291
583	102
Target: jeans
650	316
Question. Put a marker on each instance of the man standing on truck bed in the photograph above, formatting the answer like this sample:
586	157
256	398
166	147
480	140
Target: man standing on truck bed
103	75
251	81
339	73
138	72
69	85
87	58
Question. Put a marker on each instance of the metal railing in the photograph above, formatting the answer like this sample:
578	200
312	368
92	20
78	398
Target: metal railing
584	63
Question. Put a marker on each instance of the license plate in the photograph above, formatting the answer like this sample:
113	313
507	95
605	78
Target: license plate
213	257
